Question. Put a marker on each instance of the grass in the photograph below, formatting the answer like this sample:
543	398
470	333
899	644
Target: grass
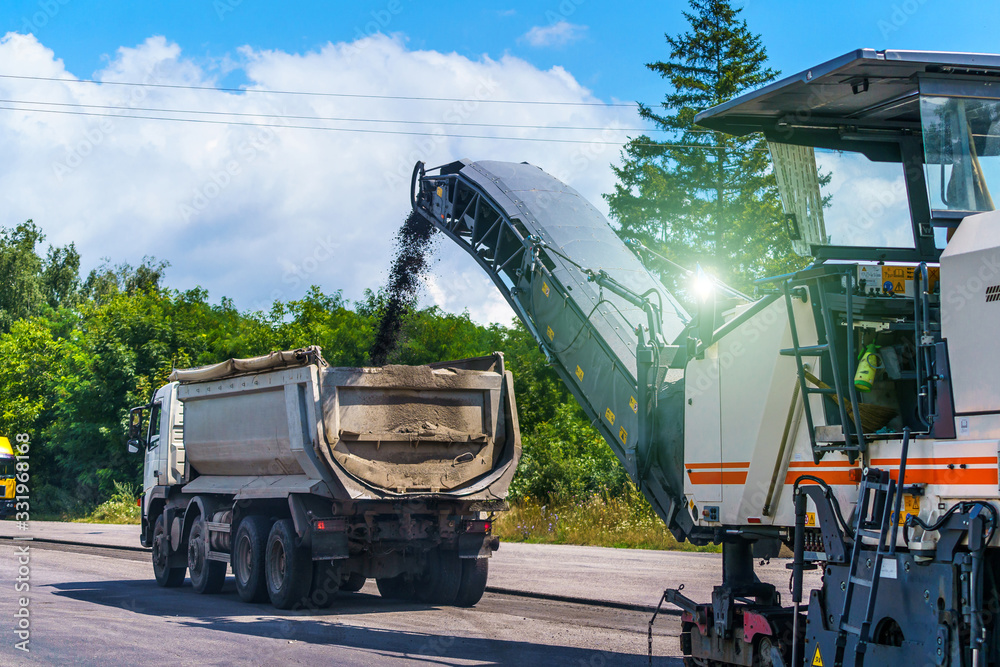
119	508
626	521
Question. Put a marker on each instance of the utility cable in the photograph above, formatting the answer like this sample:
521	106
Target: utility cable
318	93
361	130
326	118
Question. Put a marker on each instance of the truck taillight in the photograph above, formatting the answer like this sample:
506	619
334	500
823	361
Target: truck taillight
478	526
329	525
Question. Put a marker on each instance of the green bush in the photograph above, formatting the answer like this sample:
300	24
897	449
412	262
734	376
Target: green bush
565	459
121	507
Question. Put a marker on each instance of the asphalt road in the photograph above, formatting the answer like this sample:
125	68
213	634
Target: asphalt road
101	606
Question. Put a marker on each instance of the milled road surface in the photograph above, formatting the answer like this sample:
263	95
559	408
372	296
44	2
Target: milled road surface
101	606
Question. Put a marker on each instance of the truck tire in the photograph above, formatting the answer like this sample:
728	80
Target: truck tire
395	588
475	571
325	584
207	576
354	582
288	567
167	577
248	558
442	578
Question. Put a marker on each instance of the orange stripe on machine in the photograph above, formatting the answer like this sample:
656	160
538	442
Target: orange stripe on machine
951	471
725	472
967	470
718	477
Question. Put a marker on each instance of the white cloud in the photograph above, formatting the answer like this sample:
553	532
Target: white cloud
258	213
557	34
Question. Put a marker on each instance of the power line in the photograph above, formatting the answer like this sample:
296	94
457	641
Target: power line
319	94
329	118
359	130
310	127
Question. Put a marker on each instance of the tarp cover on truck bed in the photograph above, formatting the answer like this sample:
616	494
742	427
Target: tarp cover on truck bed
268	362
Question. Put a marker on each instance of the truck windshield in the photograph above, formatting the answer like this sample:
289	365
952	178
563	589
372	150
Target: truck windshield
961	152
6	468
841	198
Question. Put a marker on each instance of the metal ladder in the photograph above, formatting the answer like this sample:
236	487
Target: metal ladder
883	496
854	439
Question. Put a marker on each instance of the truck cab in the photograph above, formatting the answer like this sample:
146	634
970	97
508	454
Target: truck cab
162	442
8	483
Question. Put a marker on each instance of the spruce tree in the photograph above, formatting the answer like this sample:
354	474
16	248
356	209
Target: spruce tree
701	196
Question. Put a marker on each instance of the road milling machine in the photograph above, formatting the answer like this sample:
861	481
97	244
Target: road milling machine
850	412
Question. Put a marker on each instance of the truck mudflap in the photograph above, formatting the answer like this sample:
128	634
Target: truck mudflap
329	539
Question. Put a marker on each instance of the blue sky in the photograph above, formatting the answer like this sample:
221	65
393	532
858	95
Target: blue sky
259	213
606	55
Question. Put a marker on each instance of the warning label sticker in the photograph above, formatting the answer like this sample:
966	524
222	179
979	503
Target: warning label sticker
899	279
610	416
817	658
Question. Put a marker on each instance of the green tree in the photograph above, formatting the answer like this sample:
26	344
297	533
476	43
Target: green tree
61	276
701	196
21	287
104	282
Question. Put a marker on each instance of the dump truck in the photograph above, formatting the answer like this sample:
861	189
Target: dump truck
849	410
308	480
8	481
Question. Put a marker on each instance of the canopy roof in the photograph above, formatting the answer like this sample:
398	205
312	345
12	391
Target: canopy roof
864	89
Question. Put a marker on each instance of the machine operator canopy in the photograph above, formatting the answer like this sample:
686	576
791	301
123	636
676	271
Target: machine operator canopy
879	149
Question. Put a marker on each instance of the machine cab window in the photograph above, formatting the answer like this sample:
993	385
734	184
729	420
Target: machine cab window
841	198
961	152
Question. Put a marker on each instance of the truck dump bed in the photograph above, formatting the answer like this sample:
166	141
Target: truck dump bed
288	421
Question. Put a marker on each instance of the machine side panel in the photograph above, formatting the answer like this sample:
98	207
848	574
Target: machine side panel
703	470
970	311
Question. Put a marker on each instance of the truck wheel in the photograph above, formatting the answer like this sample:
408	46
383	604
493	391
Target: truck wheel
248	558
442	578
325	584
207	576
395	588
288	567
168	577
474	574
353	583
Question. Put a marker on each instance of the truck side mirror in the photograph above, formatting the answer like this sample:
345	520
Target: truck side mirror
135	429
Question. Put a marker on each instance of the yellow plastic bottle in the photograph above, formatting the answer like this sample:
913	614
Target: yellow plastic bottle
868	363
